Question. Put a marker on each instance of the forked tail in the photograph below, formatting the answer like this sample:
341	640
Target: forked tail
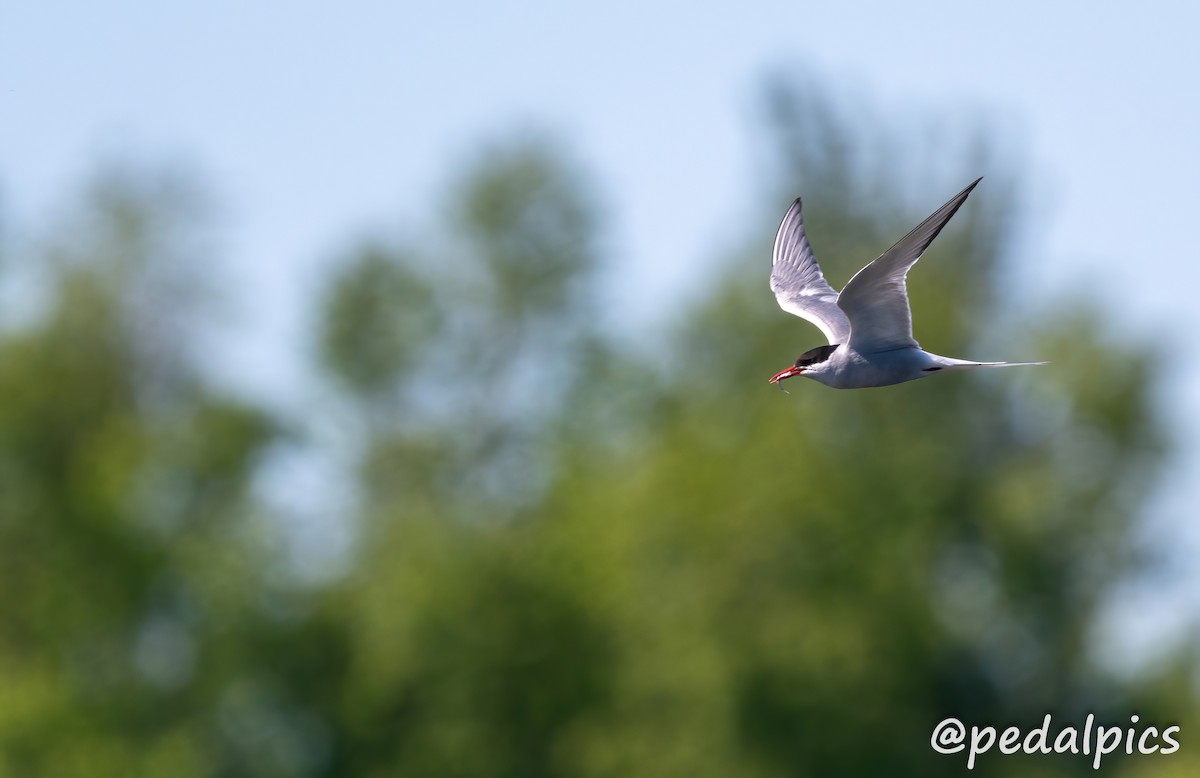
963	364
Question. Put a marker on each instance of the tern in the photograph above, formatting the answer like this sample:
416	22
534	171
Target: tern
869	324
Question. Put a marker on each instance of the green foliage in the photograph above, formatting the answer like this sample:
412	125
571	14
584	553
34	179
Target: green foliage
570	561
123	491
464	353
531	228
380	312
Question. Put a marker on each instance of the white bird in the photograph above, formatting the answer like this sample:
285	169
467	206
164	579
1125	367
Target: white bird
868	325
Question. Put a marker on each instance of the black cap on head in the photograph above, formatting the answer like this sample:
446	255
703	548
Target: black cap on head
816	355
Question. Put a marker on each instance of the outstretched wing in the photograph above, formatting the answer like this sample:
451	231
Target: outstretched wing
876	299
798	284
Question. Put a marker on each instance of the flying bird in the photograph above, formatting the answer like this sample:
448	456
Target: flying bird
869	324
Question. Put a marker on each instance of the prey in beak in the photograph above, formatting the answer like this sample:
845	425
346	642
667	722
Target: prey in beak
786	373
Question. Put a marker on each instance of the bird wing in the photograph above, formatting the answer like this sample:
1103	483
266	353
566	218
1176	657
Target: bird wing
876	299
798	284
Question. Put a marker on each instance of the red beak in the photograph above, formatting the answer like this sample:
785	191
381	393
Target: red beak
788	373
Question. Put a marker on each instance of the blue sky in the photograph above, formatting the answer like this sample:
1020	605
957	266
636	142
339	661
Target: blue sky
315	121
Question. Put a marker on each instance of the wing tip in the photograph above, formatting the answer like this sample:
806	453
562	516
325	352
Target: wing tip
785	224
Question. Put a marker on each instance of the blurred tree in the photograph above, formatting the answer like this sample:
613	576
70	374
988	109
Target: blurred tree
124	543
465	357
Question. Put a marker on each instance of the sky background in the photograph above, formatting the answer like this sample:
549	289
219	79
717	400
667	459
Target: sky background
314	122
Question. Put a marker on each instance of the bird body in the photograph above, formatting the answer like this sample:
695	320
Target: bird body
868	325
847	368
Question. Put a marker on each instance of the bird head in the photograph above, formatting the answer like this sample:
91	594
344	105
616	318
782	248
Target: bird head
811	361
